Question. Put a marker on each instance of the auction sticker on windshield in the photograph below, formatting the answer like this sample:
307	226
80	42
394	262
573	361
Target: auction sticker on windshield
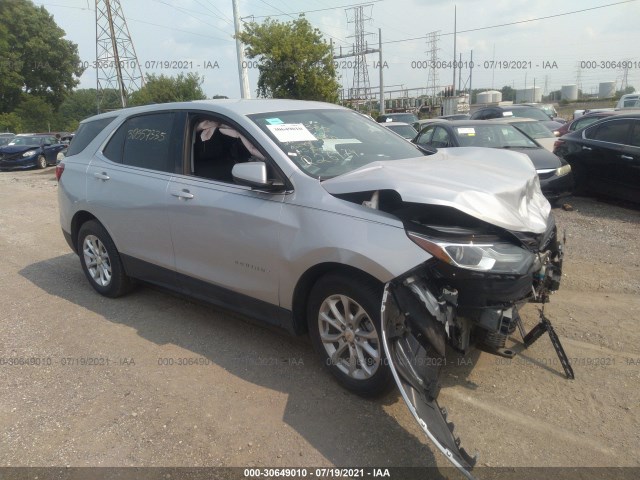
466	131
291	132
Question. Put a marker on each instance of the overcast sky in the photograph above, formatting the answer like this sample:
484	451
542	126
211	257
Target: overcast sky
199	34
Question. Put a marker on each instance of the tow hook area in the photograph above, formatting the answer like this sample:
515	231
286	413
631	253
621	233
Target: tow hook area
414	329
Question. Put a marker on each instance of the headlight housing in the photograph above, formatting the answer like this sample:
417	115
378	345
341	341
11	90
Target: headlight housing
563	170
493	256
30	153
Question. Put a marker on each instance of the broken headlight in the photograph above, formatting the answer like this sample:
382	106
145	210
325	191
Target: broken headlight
488	256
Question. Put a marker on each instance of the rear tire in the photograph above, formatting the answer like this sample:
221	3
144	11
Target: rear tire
344	324
101	261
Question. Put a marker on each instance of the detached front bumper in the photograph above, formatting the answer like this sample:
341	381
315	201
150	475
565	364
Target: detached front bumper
437	304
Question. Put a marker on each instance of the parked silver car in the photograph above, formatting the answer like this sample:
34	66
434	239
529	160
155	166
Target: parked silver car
310	217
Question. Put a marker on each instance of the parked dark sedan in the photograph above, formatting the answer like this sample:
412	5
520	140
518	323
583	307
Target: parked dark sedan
525	111
605	156
554	173
28	151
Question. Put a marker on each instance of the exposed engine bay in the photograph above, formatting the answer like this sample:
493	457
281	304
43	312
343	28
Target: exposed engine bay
467	295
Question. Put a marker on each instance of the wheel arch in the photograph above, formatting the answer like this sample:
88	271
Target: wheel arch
80	218
309	278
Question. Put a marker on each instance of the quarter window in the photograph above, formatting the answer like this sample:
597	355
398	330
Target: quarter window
143	142
86	133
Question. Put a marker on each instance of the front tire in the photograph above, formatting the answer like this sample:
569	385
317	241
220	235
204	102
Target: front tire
42	162
101	261
344	324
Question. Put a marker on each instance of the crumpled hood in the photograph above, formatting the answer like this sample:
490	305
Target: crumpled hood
13	149
497	186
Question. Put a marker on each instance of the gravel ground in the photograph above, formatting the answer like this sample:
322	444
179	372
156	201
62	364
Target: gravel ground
250	396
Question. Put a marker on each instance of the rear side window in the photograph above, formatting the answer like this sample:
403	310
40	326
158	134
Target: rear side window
612	132
86	133
143	141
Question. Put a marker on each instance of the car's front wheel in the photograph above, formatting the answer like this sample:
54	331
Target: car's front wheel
42	162
101	261
344	325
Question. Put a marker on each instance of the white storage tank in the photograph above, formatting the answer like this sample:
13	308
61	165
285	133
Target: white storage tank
607	90
496	96
484	97
529	95
569	92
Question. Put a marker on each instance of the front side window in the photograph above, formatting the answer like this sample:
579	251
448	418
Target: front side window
425	136
440	138
613	131
328	143
143	141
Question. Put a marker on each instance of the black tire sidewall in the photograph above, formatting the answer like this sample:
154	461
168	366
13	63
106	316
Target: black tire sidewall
120	283
369	296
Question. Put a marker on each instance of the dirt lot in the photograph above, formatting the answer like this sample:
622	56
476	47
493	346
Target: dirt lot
255	397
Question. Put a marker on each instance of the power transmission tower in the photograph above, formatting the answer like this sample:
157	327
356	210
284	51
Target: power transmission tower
117	66
432	78
361	90
625	78
579	80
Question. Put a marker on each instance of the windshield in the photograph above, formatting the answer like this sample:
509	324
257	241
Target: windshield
328	143
532	112
26	141
401	117
493	136
534	129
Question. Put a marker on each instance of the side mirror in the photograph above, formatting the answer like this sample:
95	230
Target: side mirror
254	175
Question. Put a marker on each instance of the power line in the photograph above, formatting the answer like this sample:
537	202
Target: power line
515	23
312	11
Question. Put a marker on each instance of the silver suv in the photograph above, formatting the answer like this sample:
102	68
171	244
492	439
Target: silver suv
312	218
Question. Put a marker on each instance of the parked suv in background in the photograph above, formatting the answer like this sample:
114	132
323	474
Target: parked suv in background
310	217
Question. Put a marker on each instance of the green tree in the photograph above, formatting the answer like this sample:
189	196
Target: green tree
34	57
82	103
163	89
10	122
36	114
508	94
293	60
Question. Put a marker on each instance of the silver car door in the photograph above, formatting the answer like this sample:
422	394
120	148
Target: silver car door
126	190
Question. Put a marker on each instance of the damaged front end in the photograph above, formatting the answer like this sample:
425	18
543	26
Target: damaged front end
467	295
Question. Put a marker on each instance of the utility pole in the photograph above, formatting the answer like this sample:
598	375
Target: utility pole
455	19
243	74
380	67
470	77
117	66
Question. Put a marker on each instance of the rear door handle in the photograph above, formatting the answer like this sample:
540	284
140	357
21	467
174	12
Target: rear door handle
184	194
626	157
587	148
101	176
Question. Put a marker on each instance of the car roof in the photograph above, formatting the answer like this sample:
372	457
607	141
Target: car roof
512	120
395	124
464	123
229	106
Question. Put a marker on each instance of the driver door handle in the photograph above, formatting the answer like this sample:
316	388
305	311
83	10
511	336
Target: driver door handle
587	148
626	157
183	194
101	176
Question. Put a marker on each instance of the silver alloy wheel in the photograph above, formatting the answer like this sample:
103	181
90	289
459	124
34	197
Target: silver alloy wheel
97	261
42	162
349	337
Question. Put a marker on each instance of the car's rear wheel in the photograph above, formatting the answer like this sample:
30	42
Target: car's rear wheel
344	325
42	162
101	261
